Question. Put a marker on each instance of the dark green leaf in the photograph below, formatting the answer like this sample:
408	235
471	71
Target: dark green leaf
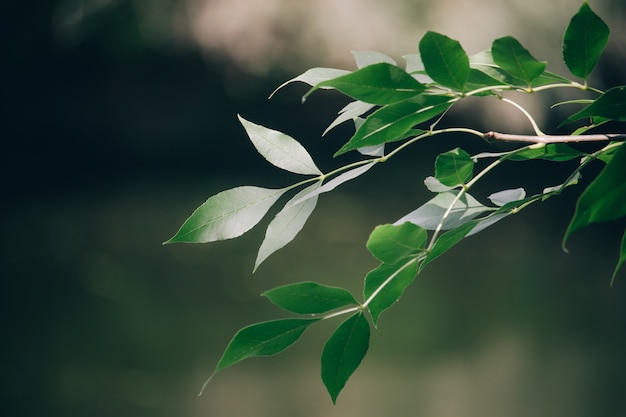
263	339
604	199
444	60
622	259
344	352
557	152
447	241
309	298
376	84
403	275
390	243
584	40
512	57
454	167
610	105
227	215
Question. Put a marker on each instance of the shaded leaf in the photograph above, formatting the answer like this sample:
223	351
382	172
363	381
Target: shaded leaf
512	57
454	167
280	150
622	259
227	215
309	298
286	225
376	84
365	58
444	60
313	77
446	241
610	105
557	152
391	243
584	40
344	352
403	273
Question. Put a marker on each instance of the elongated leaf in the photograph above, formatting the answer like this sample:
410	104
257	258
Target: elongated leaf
402	273
446	241
622	259
391	243
227	215
376	84
350	112
557	152
454	167
444	60
263	339
365	58
604	199
431	213
507	196
511	56
280	150
313	77
610	105
335	182
391	122
344	352
286	225
584	40
310	298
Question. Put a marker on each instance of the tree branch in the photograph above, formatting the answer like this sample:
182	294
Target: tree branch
553	138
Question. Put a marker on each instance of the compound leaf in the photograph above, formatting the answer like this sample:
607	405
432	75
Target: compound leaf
309	298
444	60
391	243
512	57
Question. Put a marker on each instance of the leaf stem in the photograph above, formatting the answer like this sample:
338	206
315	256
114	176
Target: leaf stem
554	138
389	279
528	116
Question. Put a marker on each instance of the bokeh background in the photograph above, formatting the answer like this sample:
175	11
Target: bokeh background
119	118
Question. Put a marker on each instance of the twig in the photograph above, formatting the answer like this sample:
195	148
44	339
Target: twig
553	138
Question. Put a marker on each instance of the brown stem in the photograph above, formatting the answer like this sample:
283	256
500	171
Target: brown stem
553	138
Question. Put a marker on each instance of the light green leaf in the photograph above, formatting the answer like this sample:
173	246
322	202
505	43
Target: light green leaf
446	241
313	77
365	58
227	215
350	112
344	352
263	339
512	57
507	196
310	298
435	186
391	122
444	60
454	167
622	259
431	213
403	275
280	150
604	199
376	84
392	243
584	40
287	224
610	105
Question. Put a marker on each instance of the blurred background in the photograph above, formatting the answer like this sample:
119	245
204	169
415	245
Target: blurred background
119	119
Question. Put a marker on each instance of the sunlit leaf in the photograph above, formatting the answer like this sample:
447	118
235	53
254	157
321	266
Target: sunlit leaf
402	274
622	258
376	84
454	167
280	150
435	186
507	196
344	352
584	40
313	77
604	199
227	215
365	58
350	112
391	243
376	150
287	224
415	67
511	56
446	241
431	213
444	60
310	298
610	105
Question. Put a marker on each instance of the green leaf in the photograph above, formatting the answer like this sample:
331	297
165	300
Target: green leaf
557	152
263	339
376	84
430	214
391	122
610	105
391	243
310	298
583	42
454	167
512	57
403	274
446	241
365	58
507	196
227	215
604	199
344	352
622	259
350	112
444	60
280	150
287	224
313	77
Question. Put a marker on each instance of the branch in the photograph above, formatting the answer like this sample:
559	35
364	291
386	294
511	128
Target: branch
553	138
